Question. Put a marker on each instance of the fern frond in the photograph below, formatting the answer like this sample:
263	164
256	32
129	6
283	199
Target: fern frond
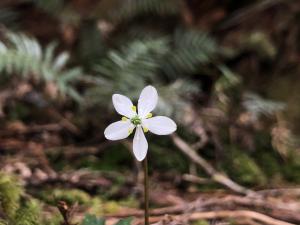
130	68
24	56
174	97
191	49
257	105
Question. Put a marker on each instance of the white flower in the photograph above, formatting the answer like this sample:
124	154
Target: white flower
142	121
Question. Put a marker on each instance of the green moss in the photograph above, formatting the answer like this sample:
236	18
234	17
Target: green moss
130	202
10	194
269	163
28	214
244	169
55	219
96	206
200	222
101	207
3	222
18	211
111	207
291	168
71	196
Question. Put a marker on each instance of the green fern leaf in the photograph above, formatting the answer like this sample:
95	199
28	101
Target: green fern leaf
129	68
191	49
25	57
92	220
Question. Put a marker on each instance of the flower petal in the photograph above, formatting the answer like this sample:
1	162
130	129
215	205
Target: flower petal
118	130
160	125
123	105
140	144
147	101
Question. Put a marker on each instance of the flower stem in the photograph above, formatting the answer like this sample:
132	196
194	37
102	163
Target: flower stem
146	191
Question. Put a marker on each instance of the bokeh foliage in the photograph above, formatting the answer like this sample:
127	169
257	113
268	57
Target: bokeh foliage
78	54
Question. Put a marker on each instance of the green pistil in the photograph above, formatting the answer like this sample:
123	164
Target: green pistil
136	120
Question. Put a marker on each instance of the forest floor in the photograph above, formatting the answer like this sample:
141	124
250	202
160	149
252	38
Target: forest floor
174	198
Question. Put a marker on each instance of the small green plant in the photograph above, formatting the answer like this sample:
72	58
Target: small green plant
93	220
23	56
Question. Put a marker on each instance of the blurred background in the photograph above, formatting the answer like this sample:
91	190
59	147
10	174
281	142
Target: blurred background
227	72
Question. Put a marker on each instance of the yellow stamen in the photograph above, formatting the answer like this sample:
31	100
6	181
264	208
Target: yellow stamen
124	118
130	131
133	108
145	129
149	115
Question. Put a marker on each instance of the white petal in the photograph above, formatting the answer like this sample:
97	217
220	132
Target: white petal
147	101
123	105
160	125
140	144
118	130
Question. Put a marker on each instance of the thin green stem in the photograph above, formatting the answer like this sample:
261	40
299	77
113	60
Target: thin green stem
146	191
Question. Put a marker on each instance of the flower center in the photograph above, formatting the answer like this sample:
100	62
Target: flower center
136	120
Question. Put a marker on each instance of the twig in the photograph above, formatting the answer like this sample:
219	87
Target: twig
23	129
280	191
66	212
75	151
216	176
64	122
272	207
195	179
228	214
82	179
